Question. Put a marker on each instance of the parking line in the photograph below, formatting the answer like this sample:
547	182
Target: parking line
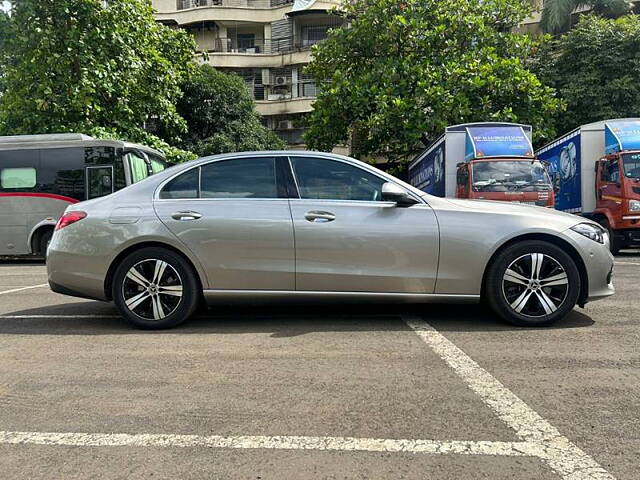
514	449
569	461
57	317
24	288
626	263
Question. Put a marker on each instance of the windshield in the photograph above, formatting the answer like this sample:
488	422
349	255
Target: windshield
502	176
631	165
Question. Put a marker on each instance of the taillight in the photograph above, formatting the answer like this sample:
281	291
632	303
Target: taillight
69	218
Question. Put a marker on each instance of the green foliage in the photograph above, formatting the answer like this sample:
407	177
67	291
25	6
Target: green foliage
403	71
75	65
221	117
595	68
556	14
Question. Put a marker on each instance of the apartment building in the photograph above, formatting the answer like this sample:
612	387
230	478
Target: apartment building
266	42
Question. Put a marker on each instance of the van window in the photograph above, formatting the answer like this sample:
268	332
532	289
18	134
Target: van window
157	165
139	168
18	177
61	172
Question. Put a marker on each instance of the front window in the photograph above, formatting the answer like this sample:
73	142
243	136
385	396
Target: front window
320	178
503	176
631	165
138	166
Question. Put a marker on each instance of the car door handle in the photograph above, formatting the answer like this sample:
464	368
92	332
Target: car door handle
319	216
185	216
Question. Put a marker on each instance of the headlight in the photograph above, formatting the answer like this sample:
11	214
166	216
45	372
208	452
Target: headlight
594	232
634	205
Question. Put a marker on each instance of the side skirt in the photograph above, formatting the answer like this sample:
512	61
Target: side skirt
291	296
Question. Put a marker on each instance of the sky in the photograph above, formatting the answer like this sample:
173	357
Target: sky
4	5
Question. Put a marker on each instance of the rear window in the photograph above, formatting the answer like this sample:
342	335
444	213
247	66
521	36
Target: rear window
18	177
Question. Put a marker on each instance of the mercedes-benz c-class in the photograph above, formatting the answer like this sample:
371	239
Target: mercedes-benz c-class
310	227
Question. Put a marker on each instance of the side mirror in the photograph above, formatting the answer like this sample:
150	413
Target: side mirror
394	193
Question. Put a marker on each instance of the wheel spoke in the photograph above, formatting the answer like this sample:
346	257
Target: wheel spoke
536	265
137	277
514	277
158	271
521	301
548	304
559	279
134	302
171	290
158	311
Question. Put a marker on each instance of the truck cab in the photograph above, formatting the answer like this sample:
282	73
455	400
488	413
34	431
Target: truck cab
618	195
512	179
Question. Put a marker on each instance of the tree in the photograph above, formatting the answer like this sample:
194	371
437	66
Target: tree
220	115
595	69
78	65
402	71
556	14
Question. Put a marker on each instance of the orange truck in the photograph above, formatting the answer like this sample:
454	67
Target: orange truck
484	161
598	168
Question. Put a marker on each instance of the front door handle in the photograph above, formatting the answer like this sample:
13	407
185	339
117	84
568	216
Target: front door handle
185	216
318	216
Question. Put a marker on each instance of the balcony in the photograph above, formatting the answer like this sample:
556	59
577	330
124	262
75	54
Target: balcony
253	46
258	4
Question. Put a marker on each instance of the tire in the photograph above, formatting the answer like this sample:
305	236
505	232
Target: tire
155	303
522	298
614	242
43	242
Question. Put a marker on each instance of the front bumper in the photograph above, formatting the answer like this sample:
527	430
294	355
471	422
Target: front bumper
598	263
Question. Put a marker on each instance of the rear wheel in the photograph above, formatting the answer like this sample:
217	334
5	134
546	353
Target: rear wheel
155	288
532	283
43	242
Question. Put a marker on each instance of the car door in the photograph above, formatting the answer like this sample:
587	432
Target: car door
235	218
348	239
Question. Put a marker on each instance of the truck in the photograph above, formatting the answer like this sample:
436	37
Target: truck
598	166
485	161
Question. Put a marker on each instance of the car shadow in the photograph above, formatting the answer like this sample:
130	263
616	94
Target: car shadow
97	318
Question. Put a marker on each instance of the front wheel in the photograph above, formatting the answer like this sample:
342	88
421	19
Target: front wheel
155	288
532	283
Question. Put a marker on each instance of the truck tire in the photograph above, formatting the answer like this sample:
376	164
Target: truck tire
614	242
532	283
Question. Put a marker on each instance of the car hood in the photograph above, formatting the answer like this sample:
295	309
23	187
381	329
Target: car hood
561	220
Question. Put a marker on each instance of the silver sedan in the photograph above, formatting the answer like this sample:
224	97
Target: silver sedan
303	226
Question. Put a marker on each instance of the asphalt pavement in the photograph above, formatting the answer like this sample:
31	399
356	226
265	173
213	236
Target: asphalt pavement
359	391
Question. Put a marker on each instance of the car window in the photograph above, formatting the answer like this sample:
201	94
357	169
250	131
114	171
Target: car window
321	178
239	178
183	186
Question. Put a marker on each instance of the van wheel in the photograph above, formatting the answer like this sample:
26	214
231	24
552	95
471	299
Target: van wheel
43	242
532	283
154	288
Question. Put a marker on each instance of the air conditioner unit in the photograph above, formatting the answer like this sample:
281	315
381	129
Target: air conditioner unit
285	125
281	80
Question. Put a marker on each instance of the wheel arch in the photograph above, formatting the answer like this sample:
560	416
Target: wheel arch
557	241
108	281
37	233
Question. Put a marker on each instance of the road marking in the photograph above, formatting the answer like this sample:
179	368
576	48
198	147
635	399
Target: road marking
569	461
626	263
57	317
515	449
24	288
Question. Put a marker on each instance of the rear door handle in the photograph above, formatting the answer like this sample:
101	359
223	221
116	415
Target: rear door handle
318	216
186	216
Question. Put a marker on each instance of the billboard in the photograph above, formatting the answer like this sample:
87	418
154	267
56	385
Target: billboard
621	135
564	163
428	173
497	141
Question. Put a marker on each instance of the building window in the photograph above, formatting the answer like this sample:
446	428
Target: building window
312	34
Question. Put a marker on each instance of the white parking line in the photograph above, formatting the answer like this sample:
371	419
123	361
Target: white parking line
57	317
24	288
569	461
626	263
514	449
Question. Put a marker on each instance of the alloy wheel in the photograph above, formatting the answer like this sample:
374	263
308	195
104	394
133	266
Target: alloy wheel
535	285
152	289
